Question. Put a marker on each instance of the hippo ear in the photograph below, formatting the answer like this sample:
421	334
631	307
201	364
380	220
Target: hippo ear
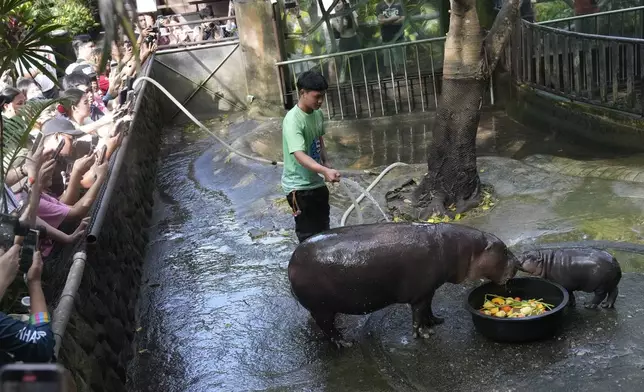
489	245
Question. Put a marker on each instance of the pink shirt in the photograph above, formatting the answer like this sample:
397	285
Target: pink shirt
53	212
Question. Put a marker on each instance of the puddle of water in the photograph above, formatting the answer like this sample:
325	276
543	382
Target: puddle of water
378	145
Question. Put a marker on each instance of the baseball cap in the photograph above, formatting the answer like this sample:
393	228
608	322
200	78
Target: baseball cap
60	125
85	69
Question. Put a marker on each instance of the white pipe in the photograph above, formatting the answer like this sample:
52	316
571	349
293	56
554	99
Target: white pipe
369	188
65	306
258	159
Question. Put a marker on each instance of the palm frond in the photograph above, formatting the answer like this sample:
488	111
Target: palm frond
6	6
22	37
16	130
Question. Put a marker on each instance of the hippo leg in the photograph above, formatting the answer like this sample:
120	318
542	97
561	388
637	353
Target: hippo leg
609	303
423	318
600	294
326	322
572	301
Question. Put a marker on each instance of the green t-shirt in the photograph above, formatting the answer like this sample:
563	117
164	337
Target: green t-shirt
301	132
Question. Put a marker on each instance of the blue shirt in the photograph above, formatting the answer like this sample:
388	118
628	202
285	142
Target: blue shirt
20	341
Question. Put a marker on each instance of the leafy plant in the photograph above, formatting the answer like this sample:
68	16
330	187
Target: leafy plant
24	32
74	15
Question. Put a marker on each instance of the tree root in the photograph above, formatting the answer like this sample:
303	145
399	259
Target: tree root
435	208
464	205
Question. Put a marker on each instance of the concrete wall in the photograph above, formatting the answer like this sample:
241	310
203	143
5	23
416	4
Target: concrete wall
225	91
588	122
99	338
260	48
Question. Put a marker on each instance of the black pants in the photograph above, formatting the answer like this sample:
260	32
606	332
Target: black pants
313	207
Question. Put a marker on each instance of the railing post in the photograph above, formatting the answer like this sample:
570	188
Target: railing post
555	62
603	49
614	67
588	66
630	75
576	68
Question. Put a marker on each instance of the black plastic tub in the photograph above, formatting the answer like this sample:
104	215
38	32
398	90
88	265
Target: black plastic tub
518	330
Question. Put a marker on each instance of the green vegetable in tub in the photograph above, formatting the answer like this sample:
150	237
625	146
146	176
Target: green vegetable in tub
508	307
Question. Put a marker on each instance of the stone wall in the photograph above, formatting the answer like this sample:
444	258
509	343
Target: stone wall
98	341
588	122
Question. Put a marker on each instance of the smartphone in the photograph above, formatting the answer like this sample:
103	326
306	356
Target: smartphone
122	97
29	246
36	143
32	377
61	144
290	4
101	155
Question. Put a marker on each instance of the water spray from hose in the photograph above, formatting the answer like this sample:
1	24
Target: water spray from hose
355	201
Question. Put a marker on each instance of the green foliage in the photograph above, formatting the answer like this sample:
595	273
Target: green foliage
553	10
75	15
24	30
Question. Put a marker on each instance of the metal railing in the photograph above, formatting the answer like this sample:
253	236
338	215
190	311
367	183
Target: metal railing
383	80
602	70
627	22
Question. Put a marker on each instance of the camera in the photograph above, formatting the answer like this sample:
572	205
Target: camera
152	35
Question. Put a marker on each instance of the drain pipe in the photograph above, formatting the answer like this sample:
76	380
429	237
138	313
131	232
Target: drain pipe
65	306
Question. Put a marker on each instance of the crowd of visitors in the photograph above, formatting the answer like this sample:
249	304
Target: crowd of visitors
175	29
55	183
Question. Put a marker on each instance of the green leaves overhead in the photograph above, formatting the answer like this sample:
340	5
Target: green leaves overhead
23	34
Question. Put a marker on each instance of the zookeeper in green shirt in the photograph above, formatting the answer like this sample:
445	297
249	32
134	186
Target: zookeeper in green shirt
305	157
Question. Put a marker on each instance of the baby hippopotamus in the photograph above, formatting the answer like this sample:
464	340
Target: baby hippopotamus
364	268
584	269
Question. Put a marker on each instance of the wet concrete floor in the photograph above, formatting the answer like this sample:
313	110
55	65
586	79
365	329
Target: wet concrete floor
216	313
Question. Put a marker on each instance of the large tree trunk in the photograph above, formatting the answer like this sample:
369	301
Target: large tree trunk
452	177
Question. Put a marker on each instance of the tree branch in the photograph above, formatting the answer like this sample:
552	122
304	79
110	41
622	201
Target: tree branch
500	32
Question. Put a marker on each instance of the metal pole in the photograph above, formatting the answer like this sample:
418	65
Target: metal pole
366	85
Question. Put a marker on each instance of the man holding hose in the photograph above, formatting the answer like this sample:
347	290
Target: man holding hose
305	158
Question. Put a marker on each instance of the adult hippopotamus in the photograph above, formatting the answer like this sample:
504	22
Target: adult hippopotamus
364	268
577	269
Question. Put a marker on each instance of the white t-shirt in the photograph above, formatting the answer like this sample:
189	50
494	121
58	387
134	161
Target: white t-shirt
70	68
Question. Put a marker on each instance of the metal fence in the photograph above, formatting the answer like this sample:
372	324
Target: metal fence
627	22
379	81
602	70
